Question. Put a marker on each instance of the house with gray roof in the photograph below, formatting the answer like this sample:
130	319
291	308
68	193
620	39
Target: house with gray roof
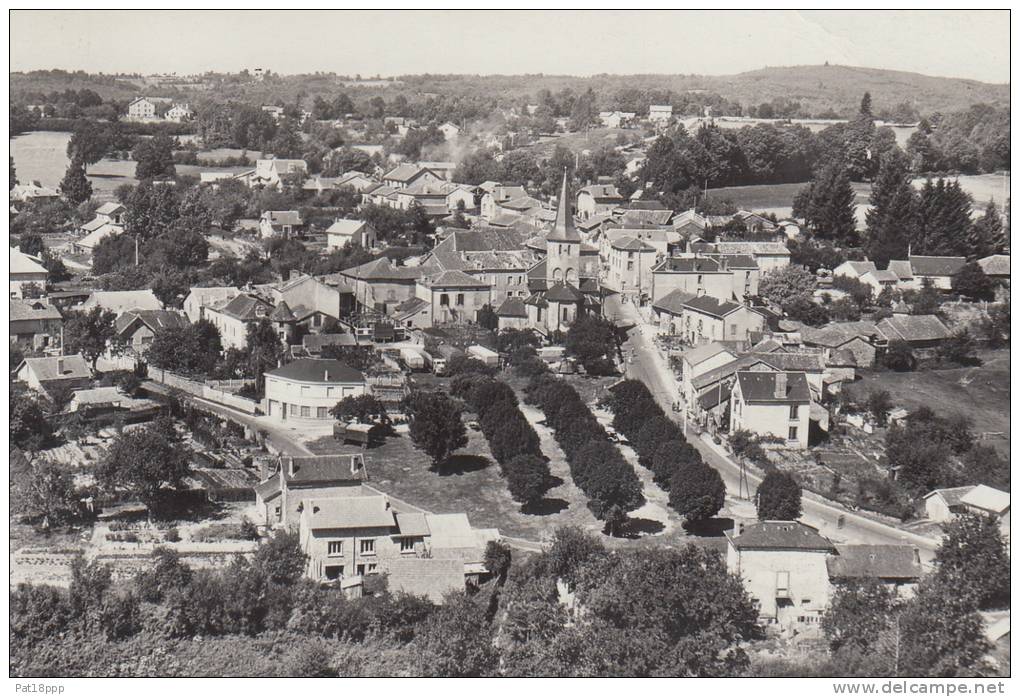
772	404
919	331
54	372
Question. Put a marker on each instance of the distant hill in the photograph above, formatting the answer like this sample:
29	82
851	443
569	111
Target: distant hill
840	87
818	88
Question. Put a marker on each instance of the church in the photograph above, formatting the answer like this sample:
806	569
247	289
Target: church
565	283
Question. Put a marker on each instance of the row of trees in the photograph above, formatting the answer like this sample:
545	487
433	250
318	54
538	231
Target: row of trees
512	439
935	220
596	465
696	491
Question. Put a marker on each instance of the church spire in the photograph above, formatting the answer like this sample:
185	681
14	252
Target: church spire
564	230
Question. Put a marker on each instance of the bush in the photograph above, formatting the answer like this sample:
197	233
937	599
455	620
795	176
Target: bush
173	535
249	530
899	356
527	478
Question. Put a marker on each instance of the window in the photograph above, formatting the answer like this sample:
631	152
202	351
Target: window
305	390
460	299
330	391
630	265
306	412
368	546
317	320
700	277
444	300
407	544
733	330
372	568
782	584
566	314
293	409
334	572
794	411
793	433
335	548
323	412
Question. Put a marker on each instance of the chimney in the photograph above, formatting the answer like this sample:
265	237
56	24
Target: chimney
724	264
780	385
701	291
740	528
917	556
326	376
60	366
294	273
291	469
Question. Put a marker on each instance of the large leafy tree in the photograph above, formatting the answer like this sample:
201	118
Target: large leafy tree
827	205
44	489
528	478
667	612
145	461
155	158
860	610
90	333
364	408
778	497
784	285
892	220
75	187
193	349
941	633
436	426
974	552
972	283
697	491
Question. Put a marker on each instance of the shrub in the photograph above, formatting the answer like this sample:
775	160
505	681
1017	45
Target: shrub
172	535
696	492
778	497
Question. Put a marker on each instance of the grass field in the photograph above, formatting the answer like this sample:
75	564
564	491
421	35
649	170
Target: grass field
980	393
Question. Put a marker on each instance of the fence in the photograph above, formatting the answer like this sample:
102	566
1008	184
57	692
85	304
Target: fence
207	392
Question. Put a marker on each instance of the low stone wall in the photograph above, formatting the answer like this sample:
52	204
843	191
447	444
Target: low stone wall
205	391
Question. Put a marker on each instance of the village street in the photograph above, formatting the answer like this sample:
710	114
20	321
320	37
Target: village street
650	366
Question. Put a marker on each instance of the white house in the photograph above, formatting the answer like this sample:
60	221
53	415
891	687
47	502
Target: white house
146	107
450	131
879	279
783	565
24	270
344	232
178	113
660	113
853	269
772	404
306	389
280	224
913	272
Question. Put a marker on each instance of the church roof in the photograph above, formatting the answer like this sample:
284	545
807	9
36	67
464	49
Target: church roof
563	229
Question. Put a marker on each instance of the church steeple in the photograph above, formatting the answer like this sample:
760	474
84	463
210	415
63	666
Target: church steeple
564	230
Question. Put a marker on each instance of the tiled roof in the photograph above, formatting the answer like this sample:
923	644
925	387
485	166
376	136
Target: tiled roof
913	328
98	395
952	496
454	278
316	342
119	301
936	266
348	512
883	276
431	578
635	217
322	370
409	308
688	265
109	208
345	227
283	217
837	333
24	263
760	386
901	269
244	307
861	267
383	269
987	499
512	307
897	562
650	205
59	367
673	302
696	356
602	192
404	172
412	524
629	244
753	248
32	310
315	469
153	319
781	535
563	293
995	265
282	313
708	305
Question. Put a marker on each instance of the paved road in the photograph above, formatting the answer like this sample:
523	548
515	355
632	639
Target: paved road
649	366
282	438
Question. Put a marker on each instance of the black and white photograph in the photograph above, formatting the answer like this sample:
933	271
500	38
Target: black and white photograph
523	343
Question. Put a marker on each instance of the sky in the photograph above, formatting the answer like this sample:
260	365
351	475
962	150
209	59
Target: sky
966	44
